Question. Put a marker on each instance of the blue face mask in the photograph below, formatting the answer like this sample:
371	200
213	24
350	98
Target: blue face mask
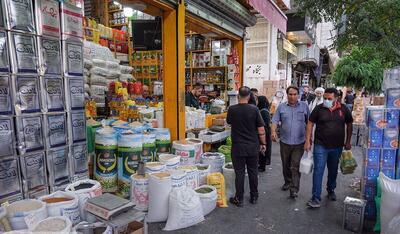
328	103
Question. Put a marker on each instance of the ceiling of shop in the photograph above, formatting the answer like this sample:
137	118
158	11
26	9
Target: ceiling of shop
299	37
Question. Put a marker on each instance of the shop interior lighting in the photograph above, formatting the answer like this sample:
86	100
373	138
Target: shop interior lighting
128	12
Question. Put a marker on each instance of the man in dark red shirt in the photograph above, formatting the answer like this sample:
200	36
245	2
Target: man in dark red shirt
332	119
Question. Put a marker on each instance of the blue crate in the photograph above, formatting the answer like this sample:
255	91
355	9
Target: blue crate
390	138
371	174
392	98
370	210
392	118
388	158
369	191
389	172
375	117
375	138
372	157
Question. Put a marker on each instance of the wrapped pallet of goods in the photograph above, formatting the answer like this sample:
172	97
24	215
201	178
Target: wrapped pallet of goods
60	224
140	191
20	212
159	189
63	204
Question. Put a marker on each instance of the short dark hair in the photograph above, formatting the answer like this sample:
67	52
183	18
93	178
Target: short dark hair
254	90
332	90
292	87
244	91
197	86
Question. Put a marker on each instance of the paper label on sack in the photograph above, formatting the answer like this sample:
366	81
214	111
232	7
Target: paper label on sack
34	170
5	96
57	163
9	178
72	23
79	158
28	94
25	51
4	57
77	93
32	133
51	56
78	122
57	129
6	136
50	17
21	15
54	94
74	59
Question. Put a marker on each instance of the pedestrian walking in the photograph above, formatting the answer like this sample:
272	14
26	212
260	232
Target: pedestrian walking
292	117
265	158
332	119
307	96
248	139
319	98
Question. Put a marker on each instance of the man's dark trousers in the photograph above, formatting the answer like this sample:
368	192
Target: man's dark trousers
240	163
291	156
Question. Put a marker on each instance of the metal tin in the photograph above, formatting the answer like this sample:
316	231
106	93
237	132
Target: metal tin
4	52
24	57
19	15
27	92
73	58
77	126
48	17
29	131
79	162
353	215
71	22
50	59
6	95
55	125
53	94
37	193
7	141
58	168
33	169
75	90
10	179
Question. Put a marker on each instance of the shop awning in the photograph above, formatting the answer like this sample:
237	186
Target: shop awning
271	12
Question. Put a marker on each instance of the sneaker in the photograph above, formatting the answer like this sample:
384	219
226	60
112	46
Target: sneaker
253	200
314	203
332	196
235	201
285	187
293	195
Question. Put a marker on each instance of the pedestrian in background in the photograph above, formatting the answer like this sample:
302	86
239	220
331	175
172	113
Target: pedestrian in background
332	119
248	139
265	158
292	117
319	98
307	96
253	96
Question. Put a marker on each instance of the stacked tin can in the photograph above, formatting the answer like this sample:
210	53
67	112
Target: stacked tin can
381	152
42	119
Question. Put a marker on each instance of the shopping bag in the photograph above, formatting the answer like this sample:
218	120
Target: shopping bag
347	163
306	163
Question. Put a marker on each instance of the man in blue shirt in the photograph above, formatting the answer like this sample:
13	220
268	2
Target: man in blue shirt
292	117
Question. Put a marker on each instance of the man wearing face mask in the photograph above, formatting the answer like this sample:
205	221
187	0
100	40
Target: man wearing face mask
332	119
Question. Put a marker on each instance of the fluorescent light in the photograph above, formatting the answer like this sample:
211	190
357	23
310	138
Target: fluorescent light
128	12
117	3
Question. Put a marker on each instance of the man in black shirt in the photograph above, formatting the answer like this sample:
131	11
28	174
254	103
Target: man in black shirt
332	119
307	96
248	138
192	97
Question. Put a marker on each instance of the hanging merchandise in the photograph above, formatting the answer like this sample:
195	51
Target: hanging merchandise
79	162
49	56
192	175
169	160
24	214
4	52
71	20
106	159
139	191
75	89
154	167
54	94
58	168
55	126
208	198
149	148
77	126
10	184
6	136
23	53
6	106
163	141
215	160
20	15
185	150
204	170
73	58
63	204
34	174
198	144
61	225
129	150
159	189
27	90
29	133
178	179
217	180
48	17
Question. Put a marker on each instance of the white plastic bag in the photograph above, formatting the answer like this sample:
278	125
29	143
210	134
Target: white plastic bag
390	201
208	200
184	209
394	225
306	163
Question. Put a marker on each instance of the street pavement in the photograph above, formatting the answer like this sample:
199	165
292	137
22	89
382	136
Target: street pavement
275	212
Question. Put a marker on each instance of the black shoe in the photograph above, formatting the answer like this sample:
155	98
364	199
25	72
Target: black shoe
285	187
293	195
261	169
235	201
253	200
332	196
314	203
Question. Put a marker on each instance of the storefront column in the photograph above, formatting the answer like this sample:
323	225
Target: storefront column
239	46
174	70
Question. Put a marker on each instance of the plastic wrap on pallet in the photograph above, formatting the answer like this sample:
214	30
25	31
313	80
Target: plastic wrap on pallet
75	91
48	17
29	131
55	125
19	15
34	174
6	95
79	162
71	21
11	187
23	52
53	94
73	58
58	168
77	126
7	141
4	52
50	61
28	94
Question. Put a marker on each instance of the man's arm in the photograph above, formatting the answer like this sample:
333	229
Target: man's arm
275	120
309	130
349	132
262	138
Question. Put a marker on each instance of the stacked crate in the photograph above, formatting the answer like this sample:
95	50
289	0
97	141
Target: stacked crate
38	126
